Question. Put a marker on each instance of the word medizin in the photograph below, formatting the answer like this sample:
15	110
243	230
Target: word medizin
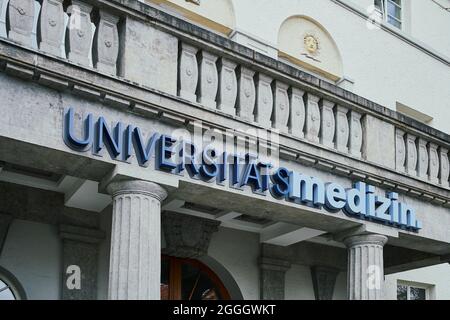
240	170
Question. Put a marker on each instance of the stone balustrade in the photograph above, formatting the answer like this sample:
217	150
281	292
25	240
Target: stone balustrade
415	155
78	32
162	54
219	83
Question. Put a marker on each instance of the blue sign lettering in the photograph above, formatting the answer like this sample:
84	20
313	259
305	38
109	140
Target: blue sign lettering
208	165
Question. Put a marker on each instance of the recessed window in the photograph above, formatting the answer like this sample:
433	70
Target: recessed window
391	11
412	292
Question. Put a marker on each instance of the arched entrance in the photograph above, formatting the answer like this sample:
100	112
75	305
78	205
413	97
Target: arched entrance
189	279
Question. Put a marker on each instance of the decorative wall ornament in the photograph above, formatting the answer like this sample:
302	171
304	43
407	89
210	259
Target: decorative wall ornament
264	100
411	154
312	118
297	109
227	86
328	124
79	32
444	175
311	46
342	129
281	106
246	94
209	80
51	27
187	236
400	150
423	161
356	133
433	162
21	19
106	43
188	72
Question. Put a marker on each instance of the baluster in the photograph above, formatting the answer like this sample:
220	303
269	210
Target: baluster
79	33
423	161
51	27
312	118
400	150
356	134
3	9
411	154
342	129
227	86
328	124
106	43
297	118
281	106
443	176
246	94
264	100
21	20
433	162
188	72
209	80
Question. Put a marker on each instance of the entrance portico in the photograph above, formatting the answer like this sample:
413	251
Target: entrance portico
87	163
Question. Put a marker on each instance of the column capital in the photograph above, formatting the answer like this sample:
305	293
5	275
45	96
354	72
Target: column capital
364	239
147	188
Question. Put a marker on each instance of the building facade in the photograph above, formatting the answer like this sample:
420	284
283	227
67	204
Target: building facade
199	149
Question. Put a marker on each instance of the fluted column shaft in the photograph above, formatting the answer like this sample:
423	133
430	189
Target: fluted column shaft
365	271
135	257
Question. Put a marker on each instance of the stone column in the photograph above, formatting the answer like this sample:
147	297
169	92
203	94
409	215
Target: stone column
365	271
135	258
273	273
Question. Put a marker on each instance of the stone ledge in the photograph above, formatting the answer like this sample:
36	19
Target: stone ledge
36	63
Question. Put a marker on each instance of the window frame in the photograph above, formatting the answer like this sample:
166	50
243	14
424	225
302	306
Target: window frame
409	285
12	284
383	11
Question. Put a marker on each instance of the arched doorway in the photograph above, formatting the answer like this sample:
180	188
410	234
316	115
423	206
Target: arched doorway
189	279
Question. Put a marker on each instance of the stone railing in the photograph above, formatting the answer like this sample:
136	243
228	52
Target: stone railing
167	56
418	157
219	83
79	32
